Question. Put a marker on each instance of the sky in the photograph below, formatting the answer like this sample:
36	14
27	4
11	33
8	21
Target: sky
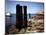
32	7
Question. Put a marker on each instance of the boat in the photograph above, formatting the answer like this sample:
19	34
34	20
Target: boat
8	14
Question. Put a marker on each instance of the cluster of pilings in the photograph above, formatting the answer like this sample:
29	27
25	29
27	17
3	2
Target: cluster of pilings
21	16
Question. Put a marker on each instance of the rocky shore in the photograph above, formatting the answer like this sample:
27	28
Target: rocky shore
35	24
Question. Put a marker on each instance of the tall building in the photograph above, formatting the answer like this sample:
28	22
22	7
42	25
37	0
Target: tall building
21	16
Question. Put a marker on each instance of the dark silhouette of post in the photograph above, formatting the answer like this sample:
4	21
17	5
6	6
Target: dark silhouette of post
29	15
25	16
20	21
19	18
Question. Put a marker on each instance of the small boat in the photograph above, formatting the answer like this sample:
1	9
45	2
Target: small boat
8	14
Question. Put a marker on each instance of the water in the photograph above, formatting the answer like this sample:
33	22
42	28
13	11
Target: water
12	19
